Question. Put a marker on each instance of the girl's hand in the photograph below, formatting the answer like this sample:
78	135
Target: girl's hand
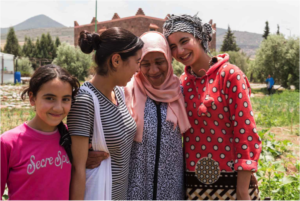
95	158
242	187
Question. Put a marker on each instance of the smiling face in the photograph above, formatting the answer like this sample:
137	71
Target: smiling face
154	67
185	48
126	69
52	103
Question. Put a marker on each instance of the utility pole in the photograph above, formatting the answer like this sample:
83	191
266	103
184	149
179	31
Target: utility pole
290	31
96	18
2	67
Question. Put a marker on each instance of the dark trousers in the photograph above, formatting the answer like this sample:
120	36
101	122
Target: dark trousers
270	90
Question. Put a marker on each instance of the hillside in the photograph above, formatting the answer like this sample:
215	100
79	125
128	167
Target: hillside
35	26
247	41
39	21
65	34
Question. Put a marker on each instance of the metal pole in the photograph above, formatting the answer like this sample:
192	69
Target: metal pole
2	69
17	64
96	18
290	31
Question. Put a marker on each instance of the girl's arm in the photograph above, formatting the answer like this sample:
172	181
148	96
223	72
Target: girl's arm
79	147
247	144
80	122
242	186
4	164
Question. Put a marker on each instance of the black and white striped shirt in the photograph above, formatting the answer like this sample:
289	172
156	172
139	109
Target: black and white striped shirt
119	129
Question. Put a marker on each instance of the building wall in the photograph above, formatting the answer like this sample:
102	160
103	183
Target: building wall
137	25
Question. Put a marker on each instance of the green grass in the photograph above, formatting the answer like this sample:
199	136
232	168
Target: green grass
276	110
265	91
275	178
10	118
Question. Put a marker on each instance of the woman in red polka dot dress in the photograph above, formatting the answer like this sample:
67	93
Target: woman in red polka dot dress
222	148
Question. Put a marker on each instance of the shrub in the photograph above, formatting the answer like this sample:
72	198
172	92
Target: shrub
25	67
73	60
240	59
278	57
178	68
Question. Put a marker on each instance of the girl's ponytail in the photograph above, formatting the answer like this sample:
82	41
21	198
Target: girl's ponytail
65	139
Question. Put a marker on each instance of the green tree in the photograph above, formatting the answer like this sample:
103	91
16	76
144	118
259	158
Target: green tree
12	45
278	57
25	66
51	47
38	50
291	67
73	60
43	46
57	42
278	32
47	47
267	31
240	59
229	43
178	68
0	49
28	49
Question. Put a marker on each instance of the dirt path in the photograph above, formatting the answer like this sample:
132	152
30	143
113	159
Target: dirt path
284	133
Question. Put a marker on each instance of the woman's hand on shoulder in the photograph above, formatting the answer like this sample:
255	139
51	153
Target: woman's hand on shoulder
95	158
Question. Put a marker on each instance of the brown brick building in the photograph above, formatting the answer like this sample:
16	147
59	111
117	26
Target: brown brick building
138	24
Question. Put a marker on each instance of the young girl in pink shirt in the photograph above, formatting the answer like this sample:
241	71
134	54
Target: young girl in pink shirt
35	156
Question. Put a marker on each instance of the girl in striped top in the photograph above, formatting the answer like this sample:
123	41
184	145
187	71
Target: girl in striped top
117	56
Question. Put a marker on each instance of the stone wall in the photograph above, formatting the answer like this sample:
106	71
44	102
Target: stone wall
137	24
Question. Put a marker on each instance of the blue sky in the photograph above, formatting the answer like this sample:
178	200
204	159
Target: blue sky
242	15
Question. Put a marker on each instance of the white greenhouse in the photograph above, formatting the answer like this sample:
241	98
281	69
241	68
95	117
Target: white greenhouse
7	70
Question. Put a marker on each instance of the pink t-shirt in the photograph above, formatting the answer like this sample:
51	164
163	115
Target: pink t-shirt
33	165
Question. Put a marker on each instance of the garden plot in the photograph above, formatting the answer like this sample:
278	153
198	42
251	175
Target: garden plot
10	97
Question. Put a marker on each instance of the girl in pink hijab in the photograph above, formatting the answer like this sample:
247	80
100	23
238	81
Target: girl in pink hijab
154	99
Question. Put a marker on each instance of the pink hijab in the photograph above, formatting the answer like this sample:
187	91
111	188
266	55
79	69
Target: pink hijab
139	88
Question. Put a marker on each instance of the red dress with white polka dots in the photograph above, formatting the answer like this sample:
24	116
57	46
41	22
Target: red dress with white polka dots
223	136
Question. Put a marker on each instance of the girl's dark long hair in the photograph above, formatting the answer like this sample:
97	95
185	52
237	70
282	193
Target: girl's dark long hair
113	40
44	74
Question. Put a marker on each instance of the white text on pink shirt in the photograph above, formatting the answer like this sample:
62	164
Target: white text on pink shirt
36	165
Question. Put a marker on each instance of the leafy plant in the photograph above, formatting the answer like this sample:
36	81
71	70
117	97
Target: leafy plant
25	67
177	67
73	60
272	177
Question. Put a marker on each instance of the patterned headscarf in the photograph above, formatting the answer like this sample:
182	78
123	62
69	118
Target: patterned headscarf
189	24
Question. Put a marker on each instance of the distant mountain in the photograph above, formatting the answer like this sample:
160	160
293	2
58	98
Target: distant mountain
35	26
39	21
247	41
